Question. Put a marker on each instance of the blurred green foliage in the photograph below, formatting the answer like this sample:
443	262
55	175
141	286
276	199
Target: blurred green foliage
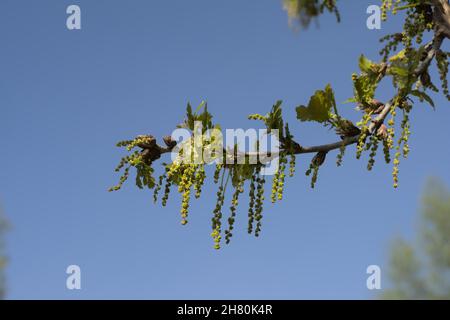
3	228
304	11
421	269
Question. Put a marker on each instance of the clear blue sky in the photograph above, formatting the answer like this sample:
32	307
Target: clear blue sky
68	96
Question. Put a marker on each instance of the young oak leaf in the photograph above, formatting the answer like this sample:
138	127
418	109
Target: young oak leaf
319	106
365	65
423	97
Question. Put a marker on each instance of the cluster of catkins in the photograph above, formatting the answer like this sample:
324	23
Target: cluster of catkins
191	177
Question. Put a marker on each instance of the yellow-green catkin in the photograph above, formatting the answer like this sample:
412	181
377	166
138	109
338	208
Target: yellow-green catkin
259	204
315	175
184	187
386	151
386	5
292	165
252	202
122	163
316	162
217	173
340	156
122	180
373	152
282	177
200	177
167	188
234	203
124	143
391	130
443	66
257	117
217	218
158	187
402	146
137	141
217	237
406	132
364	133
217	214
390	138
396	6
395	170
131	160
274	192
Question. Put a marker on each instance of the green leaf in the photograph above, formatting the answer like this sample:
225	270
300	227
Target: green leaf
200	106
403	66
190	117
364	88
206	117
399	56
398	71
138	180
330	97
350	100
274	120
423	96
319	106
365	65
